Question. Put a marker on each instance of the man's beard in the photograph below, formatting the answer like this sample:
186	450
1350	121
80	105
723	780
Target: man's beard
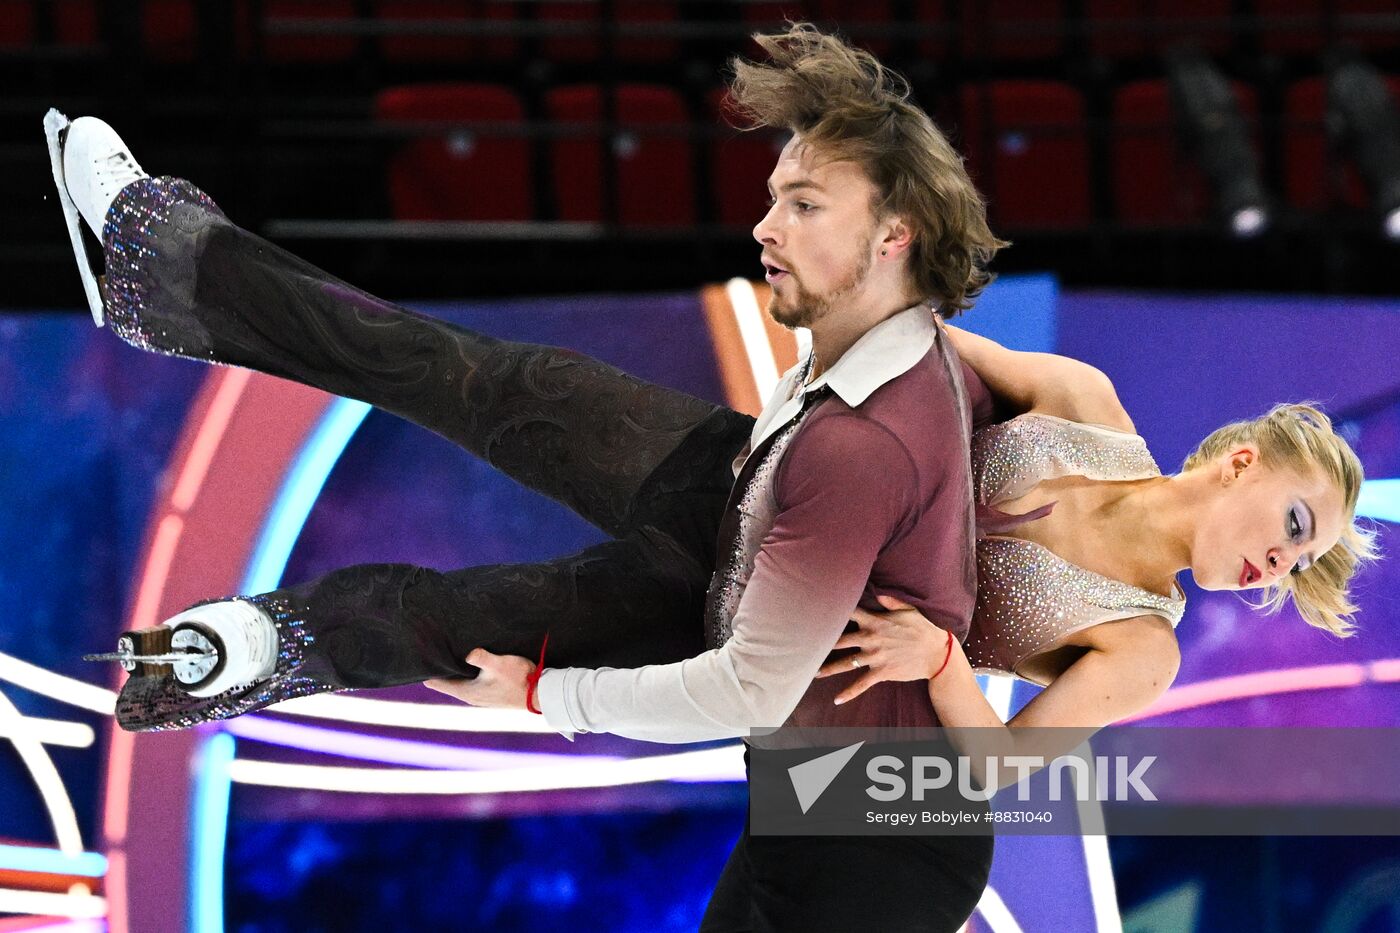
807	308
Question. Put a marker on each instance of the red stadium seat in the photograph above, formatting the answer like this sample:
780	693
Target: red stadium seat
468	174
458	47
1007	30
740	164
769	17
851	16
1309	180
1290	27
1370	25
1155	182
933	15
75	22
169	30
654	171
297	48
588	46
16	24
1143	28
1027	148
847	17
1304	27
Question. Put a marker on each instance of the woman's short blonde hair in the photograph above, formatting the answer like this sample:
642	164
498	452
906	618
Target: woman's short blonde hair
1302	437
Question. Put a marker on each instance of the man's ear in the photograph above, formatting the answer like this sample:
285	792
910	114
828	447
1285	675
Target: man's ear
898	237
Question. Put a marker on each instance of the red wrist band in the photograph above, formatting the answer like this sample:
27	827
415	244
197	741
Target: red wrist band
946	655
532	680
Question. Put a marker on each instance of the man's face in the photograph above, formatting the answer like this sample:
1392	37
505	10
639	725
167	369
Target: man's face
818	237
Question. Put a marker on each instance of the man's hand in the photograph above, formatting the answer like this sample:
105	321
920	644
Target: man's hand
500	685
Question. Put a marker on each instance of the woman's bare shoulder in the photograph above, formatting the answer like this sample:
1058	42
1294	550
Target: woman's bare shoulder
1085	394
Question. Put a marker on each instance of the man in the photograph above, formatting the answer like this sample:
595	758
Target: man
853	484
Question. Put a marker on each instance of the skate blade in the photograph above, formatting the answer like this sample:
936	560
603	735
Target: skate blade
153	658
54	124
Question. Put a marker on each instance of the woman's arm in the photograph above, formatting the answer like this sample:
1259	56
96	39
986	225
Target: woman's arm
1042	382
1133	662
1135	666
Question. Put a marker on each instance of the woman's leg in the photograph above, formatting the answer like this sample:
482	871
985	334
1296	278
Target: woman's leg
181	279
622	603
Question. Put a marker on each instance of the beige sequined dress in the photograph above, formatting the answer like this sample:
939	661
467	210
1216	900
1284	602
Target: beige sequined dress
1028	599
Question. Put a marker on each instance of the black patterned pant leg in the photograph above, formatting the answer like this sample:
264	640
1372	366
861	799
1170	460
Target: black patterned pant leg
181	279
648	465
613	604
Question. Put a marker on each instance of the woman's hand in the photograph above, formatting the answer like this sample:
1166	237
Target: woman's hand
899	644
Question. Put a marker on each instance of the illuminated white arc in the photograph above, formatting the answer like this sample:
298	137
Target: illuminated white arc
994	910
707	764
46	778
1103	890
43	904
440	717
57	687
998	691
71	925
50	732
1098	866
754	335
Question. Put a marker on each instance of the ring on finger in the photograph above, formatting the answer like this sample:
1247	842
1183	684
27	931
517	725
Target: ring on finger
855	662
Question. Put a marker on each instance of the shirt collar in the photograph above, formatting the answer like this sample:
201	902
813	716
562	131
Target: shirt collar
885	352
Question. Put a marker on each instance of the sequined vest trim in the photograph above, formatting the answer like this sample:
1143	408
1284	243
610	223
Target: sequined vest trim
748	518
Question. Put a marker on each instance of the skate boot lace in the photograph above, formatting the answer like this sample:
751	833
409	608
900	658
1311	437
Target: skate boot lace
116	171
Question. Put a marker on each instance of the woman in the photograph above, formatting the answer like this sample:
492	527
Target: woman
652	468
1082	599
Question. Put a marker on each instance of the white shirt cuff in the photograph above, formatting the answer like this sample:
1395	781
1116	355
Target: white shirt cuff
549	697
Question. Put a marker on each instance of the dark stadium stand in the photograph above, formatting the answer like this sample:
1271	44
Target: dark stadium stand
379	133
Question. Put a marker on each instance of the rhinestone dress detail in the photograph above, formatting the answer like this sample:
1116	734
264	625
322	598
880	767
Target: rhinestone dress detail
1027	597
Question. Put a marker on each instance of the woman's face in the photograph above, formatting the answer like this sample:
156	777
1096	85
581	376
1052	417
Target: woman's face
1263	523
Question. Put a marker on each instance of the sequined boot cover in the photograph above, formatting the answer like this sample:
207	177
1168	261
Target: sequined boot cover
157	704
153	234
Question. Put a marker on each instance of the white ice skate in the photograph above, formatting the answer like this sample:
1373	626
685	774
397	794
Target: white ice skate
209	649
91	165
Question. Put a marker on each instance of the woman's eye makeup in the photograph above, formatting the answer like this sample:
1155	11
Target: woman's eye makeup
1295	533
